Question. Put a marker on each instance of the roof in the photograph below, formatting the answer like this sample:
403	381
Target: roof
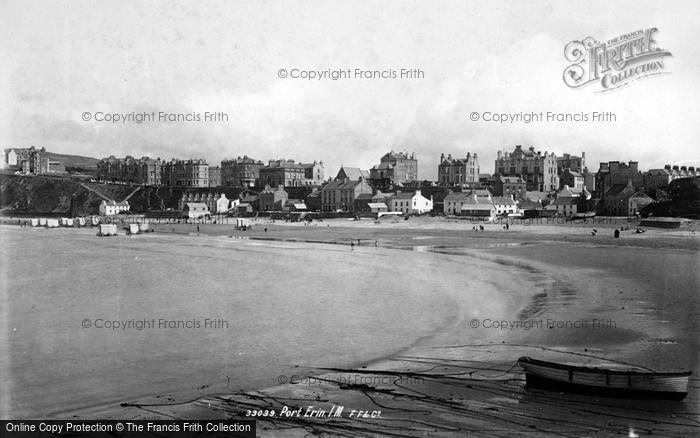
354	173
503	200
376	205
249	198
573	173
480	192
340	185
282	164
299	205
566	200
122	203
457	196
526	204
396	155
568	192
535	196
479	206
616	190
642	195
478	201
273	190
403	195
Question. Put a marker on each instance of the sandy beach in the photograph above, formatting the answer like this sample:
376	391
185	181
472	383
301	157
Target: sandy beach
588	300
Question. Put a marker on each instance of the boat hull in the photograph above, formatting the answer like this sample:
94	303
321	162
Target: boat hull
605	382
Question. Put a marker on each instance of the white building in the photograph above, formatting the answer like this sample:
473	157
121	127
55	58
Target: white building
504	204
566	206
409	203
111	208
195	210
222	204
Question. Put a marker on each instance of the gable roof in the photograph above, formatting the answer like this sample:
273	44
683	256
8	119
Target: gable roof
616	190
565	201
641	195
503	200
403	195
457	196
376	205
353	173
526	204
479	206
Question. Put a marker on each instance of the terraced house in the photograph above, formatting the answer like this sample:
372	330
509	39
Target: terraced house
130	170
186	173
289	173
241	172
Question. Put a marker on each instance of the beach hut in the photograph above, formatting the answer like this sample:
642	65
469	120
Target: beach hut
133	228
52	223
80	221
107	230
69	222
42	221
243	223
35	222
64	221
144	227
95	220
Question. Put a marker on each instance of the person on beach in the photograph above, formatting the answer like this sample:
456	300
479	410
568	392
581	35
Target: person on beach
352	245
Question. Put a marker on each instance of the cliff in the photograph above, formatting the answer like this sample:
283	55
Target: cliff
52	194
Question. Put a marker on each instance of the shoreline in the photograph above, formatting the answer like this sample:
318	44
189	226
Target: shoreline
444	367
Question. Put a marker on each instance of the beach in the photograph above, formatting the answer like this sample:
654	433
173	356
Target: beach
428	321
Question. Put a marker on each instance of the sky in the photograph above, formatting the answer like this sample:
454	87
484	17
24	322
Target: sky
65	59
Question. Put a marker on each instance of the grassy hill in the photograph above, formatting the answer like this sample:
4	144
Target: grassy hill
74	161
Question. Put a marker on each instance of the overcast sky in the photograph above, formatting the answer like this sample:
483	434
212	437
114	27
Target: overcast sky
61	59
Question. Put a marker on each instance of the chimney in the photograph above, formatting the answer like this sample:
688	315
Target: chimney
442	157
675	167
418	193
683	168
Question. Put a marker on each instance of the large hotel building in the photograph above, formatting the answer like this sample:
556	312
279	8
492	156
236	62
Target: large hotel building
538	170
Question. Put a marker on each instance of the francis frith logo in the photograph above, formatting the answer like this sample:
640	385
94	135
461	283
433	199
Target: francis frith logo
616	62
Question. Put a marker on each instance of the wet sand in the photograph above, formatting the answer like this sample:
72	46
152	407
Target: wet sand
463	379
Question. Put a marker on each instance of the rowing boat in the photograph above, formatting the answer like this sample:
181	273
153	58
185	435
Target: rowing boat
631	383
